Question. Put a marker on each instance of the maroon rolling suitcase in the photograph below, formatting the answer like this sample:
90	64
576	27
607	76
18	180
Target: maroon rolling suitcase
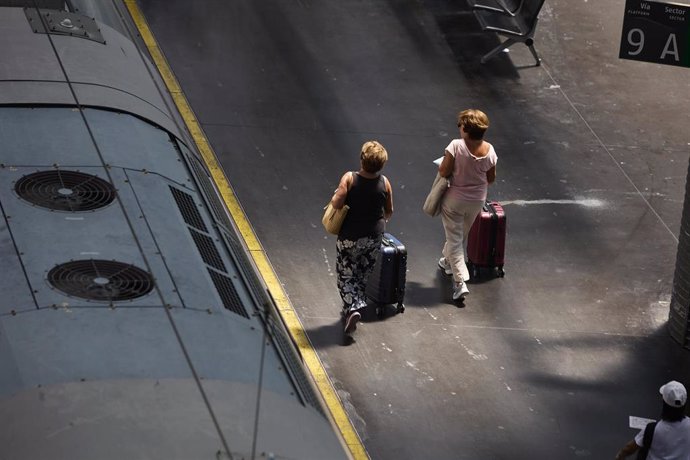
487	240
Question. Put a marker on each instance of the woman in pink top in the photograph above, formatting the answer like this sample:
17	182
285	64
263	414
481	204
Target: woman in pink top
471	161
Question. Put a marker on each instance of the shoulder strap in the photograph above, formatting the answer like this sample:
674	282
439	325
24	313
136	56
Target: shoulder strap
648	434
647	438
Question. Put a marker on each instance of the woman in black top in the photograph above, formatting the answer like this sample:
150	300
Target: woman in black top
369	195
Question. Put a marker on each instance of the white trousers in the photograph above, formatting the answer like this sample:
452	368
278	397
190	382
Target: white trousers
458	216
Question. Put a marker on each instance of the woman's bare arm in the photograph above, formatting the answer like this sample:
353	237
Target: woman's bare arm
340	195
491	175
445	169
388	208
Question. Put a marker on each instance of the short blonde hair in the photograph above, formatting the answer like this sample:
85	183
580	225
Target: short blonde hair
475	123
373	156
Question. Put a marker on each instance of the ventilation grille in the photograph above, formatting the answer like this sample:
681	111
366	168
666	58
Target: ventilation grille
101	280
293	361
208	250
188	209
227	293
210	192
61	190
242	261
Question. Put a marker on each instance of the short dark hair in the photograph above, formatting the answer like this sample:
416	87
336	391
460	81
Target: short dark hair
671	413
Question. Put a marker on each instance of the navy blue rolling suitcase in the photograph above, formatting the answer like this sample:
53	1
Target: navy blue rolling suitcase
386	284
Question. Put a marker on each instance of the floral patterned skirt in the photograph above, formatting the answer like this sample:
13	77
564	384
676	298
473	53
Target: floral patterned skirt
354	264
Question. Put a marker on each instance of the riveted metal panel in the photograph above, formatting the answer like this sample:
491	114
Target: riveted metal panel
14	285
48	92
118	76
93	344
184	264
57	22
44	137
46	238
27	56
129	142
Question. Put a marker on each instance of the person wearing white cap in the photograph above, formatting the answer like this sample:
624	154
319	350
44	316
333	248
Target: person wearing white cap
669	438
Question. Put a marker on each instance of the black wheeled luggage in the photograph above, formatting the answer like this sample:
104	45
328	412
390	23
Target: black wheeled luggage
386	283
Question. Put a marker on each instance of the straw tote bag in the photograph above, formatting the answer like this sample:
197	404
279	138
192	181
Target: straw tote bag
333	218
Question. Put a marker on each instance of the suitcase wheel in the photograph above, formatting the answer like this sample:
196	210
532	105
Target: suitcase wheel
381	310
500	272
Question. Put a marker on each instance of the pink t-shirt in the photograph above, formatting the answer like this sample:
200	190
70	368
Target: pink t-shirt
469	172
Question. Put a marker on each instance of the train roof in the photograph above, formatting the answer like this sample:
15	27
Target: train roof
132	322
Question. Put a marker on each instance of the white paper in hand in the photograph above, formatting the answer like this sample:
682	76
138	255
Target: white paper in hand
638	422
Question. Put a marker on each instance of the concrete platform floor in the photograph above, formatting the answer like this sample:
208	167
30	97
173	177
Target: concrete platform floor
546	363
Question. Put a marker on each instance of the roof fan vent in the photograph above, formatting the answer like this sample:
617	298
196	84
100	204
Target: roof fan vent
61	190
101	280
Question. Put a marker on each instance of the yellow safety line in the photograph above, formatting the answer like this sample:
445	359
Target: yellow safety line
283	304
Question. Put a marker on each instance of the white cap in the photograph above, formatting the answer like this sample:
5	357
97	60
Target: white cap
674	394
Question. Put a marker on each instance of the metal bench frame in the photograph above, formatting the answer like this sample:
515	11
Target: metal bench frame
519	27
509	7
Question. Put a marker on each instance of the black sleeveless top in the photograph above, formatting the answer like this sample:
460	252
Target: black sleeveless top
366	199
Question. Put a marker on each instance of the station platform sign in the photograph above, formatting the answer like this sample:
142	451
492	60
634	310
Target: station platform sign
656	32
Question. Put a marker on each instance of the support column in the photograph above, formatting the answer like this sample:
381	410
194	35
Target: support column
678	325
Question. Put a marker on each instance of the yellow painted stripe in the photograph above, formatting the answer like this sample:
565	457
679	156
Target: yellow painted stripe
292	322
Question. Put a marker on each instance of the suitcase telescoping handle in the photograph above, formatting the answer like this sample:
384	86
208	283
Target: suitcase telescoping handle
391	241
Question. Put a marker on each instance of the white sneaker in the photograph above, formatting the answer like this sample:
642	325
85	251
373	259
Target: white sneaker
460	291
445	266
